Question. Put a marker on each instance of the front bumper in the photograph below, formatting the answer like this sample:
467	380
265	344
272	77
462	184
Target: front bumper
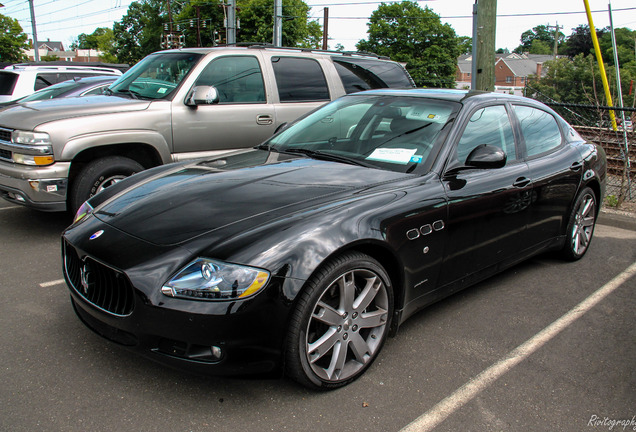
234	337
41	188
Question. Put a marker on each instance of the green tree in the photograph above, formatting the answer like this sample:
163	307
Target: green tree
580	41
541	33
407	33
577	80
102	39
13	41
204	15
625	45
139	31
257	23
540	47
465	44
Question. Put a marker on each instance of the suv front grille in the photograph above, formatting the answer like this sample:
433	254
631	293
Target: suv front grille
5	154
100	285
5	134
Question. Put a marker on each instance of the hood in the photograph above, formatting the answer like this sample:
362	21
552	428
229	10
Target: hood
176	206
29	115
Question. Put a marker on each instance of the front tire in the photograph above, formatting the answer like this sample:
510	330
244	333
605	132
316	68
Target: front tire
581	225
98	175
340	323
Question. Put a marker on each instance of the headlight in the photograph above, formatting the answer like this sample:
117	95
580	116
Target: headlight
206	279
84	210
30	138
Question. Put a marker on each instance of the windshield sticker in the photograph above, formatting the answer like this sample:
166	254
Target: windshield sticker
162	90
394	155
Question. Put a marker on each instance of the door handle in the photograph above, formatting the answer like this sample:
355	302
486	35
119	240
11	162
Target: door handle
264	119
521	182
576	166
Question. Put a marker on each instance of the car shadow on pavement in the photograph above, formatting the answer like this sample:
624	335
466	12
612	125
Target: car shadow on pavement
33	222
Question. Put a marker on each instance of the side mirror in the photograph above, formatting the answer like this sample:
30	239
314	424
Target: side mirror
486	156
202	95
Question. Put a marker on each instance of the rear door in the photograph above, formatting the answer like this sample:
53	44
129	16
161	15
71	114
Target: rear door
301	86
556	170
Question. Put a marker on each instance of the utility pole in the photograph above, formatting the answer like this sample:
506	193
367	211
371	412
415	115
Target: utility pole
198	25
36	51
486	28
231	23
325	30
556	37
278	23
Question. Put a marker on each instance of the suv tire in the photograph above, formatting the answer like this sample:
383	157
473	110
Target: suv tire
98	175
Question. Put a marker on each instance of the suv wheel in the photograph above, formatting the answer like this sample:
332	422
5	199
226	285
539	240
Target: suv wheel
99	175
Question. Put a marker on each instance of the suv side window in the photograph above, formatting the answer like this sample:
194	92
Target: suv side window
489	125
359	74
238	79
43	80
539	129
300	80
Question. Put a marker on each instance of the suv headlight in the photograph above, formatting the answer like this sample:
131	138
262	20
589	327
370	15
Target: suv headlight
30	138
207	279
32	148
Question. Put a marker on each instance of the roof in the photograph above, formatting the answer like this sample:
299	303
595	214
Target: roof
51	45
453	95
521	67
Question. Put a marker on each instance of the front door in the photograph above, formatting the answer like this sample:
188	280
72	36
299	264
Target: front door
488	208
242	118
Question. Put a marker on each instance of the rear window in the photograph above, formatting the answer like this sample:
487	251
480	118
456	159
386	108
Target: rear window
7	83
300	80
364	74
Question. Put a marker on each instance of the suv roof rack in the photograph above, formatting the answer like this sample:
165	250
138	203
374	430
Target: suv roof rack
261	45
121	67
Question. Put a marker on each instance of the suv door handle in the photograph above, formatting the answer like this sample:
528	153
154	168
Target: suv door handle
264	119
521	182
576	166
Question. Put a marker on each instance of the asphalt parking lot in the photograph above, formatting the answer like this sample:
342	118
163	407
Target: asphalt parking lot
546	345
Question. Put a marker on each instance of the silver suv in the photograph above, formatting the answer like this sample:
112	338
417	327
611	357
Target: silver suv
19	80
172	105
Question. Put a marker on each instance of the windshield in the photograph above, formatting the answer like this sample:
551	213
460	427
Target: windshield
395	133
157	76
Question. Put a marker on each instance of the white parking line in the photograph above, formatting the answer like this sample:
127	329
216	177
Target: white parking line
429	420
52	283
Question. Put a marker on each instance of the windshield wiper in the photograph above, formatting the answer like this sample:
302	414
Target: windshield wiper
317	154
132	93
266	147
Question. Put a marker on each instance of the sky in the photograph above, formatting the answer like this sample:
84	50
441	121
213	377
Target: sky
64	20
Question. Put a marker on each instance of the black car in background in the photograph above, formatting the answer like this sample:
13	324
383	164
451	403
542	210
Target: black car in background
80	86
304	254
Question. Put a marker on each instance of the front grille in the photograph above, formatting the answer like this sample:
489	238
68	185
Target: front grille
5	154
100	285
5	134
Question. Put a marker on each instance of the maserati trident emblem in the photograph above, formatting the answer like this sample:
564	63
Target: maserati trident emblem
84	277
96	234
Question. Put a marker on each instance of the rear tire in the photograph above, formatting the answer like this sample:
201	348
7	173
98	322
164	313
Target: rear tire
98	175
340	322
581	225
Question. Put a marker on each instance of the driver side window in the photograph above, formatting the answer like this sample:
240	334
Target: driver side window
489	125
238	79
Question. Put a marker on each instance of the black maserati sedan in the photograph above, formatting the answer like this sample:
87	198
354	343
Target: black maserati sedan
302	255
